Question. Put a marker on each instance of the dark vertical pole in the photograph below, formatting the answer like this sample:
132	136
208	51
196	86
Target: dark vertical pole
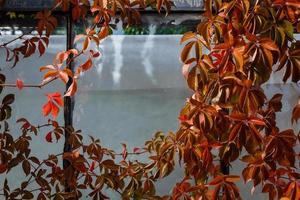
223	165
68	101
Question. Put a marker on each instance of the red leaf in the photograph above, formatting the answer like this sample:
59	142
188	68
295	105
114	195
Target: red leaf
124	152
54	100
47	108
59	100
3	168
92	167
76	13
235	131
257	121
80	167
48	137
19	84
183	118
41	48
95	54
54	95
137	150
55	110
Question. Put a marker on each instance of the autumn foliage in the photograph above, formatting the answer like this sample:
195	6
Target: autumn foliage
228	117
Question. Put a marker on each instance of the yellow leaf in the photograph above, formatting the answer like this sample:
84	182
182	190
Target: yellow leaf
238	58
187	36
51	73
186	51
86	43
232	178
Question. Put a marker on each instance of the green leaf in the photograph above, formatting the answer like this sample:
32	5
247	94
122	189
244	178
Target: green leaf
288	28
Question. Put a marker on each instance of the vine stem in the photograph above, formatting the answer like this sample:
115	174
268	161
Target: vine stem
11	41
30	85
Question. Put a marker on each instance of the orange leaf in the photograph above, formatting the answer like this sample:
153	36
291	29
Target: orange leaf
217	180
62	56
158	5
95	8
72	89
78	37
186	51
50	67
269	44
187	36
63	76
103	33
232	178
52	73
185	70
296	113
238	58
86	43
87	65
73	51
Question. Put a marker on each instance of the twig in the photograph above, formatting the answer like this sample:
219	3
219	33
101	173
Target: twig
7	43
30	85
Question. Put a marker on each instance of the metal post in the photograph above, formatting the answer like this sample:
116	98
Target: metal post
68	101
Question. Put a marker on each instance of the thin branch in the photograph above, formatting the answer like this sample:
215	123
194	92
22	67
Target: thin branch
7	43
44	125
30	85
17	38
131	153
36	189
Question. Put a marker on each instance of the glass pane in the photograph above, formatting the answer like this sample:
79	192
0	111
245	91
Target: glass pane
29	101
135	88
